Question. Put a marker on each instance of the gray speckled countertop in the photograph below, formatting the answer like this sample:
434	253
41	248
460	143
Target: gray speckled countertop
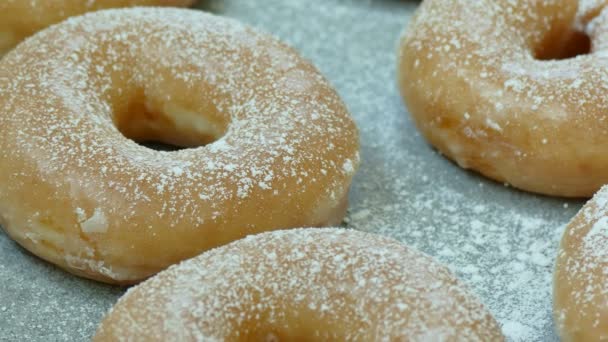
500	241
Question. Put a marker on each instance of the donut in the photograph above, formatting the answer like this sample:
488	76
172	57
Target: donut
515	90
580	292
20	19
323	284
265	141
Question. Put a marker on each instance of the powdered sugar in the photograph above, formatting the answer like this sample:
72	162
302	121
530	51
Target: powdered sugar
73	87
506	254
271	125
97	223
355	286
21	18
598	230
515	87
403	189
581	282
594	229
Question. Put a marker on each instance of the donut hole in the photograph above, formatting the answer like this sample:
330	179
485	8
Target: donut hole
167	127
577	44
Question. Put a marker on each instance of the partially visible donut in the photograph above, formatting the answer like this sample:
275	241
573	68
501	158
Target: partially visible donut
302	285
581	274
22	18
512	90
272	144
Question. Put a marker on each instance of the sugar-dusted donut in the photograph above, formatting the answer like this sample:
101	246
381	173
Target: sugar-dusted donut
22	18
581	274
302	285
515	90
276	145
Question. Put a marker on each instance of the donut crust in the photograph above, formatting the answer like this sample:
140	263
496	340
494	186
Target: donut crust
20	19
507	89
579	292
303	285
271	145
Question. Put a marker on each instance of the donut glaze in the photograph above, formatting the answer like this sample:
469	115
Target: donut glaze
302	285
273	146
22	18
581	274
508	89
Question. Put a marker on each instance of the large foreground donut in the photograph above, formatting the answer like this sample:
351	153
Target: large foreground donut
478	80
581	274
302	285
281	147
22	18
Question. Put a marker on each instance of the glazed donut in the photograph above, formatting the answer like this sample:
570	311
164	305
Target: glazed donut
512	89
20	19
271	143
302	285
581	274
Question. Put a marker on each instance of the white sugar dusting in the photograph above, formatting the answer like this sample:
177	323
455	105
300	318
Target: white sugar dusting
284	122
403	190
376	288
505	255
583	265
97	223
493	125
499	74
599	228
595	240
503	250
527	107
22	18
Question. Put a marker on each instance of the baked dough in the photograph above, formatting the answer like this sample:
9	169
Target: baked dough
302	285
22	18
515	90
272	144
581	274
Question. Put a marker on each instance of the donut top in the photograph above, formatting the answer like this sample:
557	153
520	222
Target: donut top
22	18
371	287
587	10
273	117
596	239
585	257
497	47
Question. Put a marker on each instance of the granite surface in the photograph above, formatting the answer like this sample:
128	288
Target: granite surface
500	241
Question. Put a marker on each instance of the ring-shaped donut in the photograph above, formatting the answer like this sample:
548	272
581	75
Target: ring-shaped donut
580	292
515	90
303	285
20	19
272	144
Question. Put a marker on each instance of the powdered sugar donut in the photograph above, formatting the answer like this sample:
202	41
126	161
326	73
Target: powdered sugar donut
273	146
581	274
515	90
302	285
20	19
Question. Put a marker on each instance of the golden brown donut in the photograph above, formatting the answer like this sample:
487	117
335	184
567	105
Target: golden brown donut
302	285
508	89
580	292
22	18
275	147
